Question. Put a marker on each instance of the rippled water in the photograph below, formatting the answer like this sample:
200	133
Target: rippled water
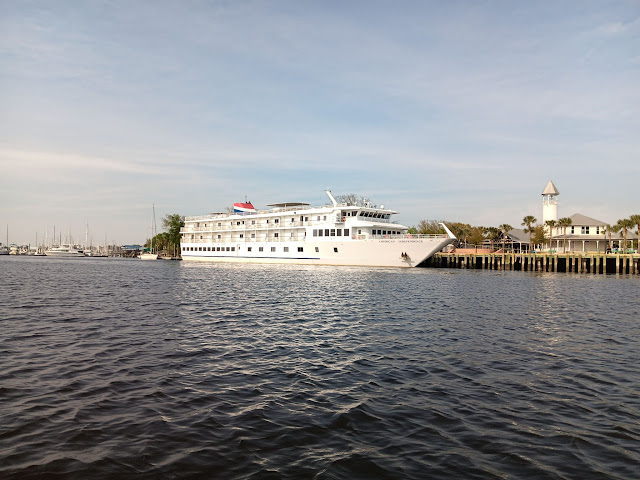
115	368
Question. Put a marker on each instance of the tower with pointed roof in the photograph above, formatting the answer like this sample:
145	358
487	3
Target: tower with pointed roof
550	202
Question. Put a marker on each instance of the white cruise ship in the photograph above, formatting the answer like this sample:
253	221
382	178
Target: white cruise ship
335	234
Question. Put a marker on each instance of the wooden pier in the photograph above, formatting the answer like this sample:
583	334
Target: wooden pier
590	263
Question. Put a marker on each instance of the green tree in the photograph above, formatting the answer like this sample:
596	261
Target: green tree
528	222
624	224
429	227
476	236
539	235
635	219
606	231
564	223
173	223
550	225
493	234
505	228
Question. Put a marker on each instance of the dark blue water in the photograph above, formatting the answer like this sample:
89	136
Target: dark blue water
123	368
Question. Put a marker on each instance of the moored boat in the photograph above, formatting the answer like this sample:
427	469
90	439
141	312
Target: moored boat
65	250
348	233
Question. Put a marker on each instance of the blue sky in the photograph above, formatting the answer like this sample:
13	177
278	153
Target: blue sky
440	110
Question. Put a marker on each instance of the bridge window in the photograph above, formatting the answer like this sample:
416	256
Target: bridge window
333	232
339	232
326	232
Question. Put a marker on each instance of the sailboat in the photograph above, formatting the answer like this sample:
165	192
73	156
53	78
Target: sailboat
5	250
151	255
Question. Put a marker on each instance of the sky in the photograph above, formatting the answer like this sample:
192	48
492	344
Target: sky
459	110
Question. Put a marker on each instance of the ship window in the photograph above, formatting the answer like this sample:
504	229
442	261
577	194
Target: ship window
219	224
306	219
233	249
218	249
325	217
228	249
248	249
277	220
267	220
286	249
333	232
293	219
253	222
242	235
318	217
219	237
261	249
315	232
359	232
208	249
320	232
339	232
237	223
183	248
253	235
317	249
346	232
273	249
276	235
326	232
335	249
199	249
300	249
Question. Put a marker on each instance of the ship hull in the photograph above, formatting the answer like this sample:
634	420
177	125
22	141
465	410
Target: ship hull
403	252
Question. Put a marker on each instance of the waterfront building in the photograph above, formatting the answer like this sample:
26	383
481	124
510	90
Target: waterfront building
585	234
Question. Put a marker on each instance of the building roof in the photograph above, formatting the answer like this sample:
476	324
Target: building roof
579	220
550	189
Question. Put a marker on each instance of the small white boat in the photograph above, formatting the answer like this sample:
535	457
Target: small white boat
65	250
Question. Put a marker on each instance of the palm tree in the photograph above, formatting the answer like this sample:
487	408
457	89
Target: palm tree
528	221
635	219
550	224
493	234
564	223
506	228
624	224
606	231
